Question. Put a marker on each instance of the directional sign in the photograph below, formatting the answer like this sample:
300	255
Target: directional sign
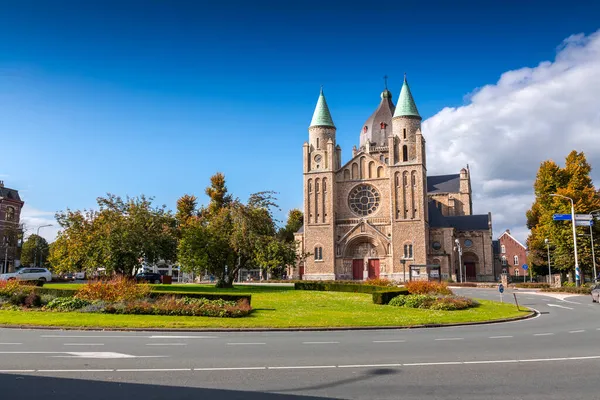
583	217
579	222
501	288
561	217
525	267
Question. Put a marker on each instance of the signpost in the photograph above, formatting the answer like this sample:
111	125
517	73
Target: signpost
501	290
561	217
525	267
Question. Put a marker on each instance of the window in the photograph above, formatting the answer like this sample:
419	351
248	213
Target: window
404	153
364	200
318	143
408	251
502	249
436	245
318	253
10	213
404	133
468	243
516	260
516	271
504	260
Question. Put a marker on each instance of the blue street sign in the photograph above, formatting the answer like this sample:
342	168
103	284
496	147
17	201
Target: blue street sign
501	288
561	217
525	267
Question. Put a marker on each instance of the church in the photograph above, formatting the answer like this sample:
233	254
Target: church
380	215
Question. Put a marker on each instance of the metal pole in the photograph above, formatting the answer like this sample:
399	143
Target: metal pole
460	263
549	270
577	272
593	255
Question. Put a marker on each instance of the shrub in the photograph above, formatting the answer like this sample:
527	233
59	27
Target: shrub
98	306
169	305
46	298
117	289
432	302
464	284
67	304
18	298
32	300
380	282
452	303
10	288
426	287
534	285
419	300
381	295
569	289
385	296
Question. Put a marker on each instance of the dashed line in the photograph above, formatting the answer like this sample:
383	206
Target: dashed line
451	338
320	342
166	344
432	363
370	366
83	344
543	334
579	331
243	344
10	344
151	369
500	337
305	367
75	370
389	341
180	337
231	369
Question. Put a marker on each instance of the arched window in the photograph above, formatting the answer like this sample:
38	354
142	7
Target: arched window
318	253
10	213
502	249
404	133
516	260
408	251
404	153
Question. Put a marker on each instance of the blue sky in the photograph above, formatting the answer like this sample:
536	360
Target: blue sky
154	97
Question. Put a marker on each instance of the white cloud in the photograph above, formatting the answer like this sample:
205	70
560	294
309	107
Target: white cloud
509	128
33	218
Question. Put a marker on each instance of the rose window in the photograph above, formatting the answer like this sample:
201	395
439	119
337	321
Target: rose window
364	200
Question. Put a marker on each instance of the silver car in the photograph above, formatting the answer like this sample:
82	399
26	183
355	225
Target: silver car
596	293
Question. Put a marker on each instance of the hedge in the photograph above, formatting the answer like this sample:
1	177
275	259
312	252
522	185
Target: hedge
532	285
569	289
194	295
381	294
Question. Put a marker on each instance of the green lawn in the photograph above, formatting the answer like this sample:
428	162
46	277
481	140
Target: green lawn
275	307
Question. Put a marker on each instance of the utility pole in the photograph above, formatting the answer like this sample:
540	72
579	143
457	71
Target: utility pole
592	239
577	272
459	249
549	270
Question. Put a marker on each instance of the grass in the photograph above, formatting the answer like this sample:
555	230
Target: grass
275	307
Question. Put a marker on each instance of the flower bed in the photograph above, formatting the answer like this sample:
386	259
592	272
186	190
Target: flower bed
433	302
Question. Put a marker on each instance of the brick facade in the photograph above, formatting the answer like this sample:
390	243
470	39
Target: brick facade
10	228
509	249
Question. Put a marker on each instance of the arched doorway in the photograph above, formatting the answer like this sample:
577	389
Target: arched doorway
365	258
471	263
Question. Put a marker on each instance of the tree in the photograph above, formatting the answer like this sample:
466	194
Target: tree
231	235
35	251
294	223
119	236
572	181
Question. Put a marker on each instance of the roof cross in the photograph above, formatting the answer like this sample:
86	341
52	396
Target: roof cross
385	78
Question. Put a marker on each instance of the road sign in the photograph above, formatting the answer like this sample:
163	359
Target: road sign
583	217
501	288
561	217
579	222
525	267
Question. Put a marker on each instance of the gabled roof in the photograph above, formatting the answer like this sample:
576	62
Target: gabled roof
513	238
322	116
443	184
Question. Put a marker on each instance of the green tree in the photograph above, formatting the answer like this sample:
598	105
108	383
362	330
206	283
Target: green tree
572	181
35	251
119	236
295	221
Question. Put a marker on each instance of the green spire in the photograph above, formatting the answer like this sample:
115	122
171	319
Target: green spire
322	116
406	106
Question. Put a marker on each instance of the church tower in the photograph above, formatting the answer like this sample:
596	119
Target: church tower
322	159
408	183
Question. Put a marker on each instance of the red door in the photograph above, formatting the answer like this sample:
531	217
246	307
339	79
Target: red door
301	272
357	270
470	271
373	269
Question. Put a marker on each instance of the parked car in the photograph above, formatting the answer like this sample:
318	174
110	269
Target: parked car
149	277
28	274
595	293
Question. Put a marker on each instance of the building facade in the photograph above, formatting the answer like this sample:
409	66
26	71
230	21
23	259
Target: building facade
380	214
513	254
10	228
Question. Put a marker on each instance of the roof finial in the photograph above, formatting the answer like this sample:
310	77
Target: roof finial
385	77
321	89
405	77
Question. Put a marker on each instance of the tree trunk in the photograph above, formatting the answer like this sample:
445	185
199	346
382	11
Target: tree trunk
224	284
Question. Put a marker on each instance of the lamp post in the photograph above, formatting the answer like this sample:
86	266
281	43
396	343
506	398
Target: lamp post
37	243
403	262
592	239
459	250
577	272
549	270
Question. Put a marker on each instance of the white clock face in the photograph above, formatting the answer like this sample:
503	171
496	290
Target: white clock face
318	158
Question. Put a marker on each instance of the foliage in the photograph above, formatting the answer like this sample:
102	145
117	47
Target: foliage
426	287
380	282
380	294
570	289
385	296
294	222
117	289
433	302
182	306
119	236
66	304
35	247
572	181
533	285
10	288
32	300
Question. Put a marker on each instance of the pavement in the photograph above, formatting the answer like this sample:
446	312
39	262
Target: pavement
555	355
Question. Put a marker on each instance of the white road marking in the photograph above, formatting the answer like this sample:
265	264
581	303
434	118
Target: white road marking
75	370
432	363
151	369
305	367
91	336
320	342
241	344
83	344
579	331
389	341
181	337
556	305
500	337
16	370
451	338
230	369
543	334
166	344
490	362
369	365
10	344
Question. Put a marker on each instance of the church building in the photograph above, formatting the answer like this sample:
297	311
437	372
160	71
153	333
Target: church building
380	214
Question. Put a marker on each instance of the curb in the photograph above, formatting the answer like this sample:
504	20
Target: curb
533	313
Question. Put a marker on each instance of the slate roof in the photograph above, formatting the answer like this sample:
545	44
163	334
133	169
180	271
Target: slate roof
406	106
11	194
383	113
443	184
461	222
322	116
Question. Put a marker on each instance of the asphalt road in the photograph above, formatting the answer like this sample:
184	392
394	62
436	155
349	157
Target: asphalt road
553	356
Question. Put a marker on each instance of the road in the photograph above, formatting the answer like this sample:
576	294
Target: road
553	356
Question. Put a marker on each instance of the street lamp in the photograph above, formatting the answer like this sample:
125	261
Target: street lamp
403	262
459	249
549	270
37	243
577	273
592	239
